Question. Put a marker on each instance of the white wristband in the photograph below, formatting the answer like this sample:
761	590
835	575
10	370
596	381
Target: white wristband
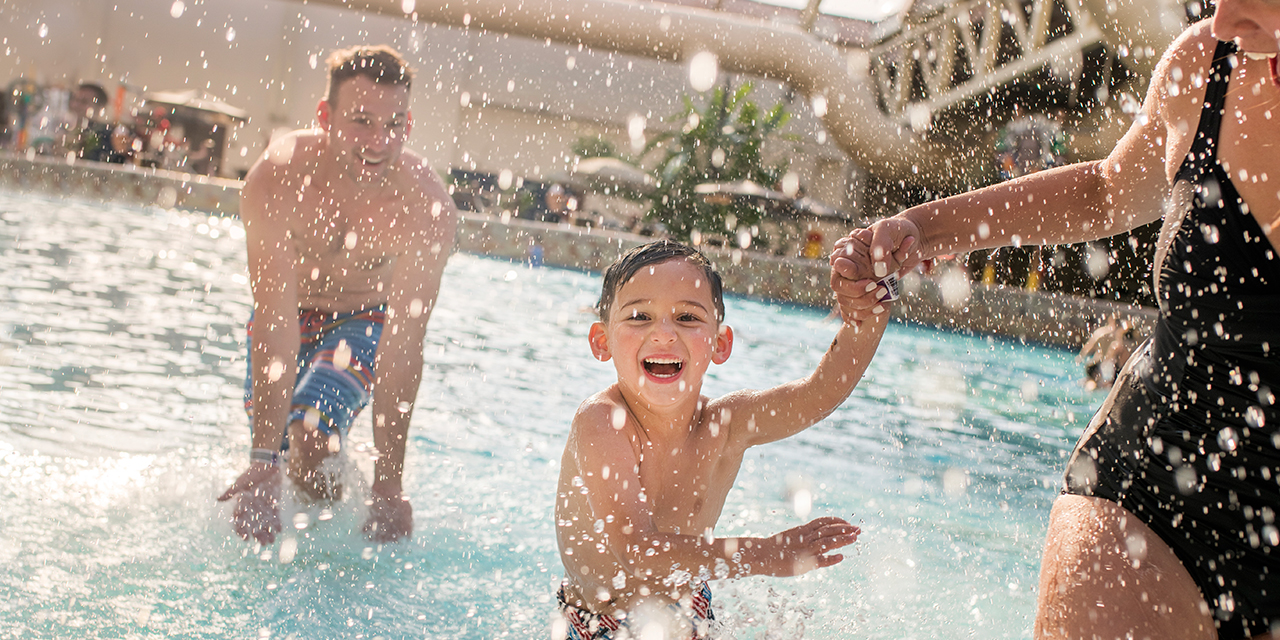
269	456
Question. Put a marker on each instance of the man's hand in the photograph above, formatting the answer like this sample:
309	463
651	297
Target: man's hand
807	547
257	493
390	517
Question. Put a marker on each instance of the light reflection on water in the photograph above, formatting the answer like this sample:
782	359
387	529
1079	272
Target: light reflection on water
120	373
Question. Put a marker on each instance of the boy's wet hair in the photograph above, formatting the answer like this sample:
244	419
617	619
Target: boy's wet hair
626	266
379	63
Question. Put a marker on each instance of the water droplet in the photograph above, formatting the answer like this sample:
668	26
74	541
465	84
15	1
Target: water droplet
1097	261
955	482
288	549
791	184
231	34
1228	439
177	8
342	356
703	69
819	105
1254	417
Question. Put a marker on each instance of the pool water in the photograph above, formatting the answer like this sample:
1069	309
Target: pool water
121	365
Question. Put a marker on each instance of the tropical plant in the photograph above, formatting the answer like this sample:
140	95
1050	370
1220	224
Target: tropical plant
721	142
594	147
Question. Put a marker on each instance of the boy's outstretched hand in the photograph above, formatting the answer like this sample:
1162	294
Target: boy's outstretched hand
802	549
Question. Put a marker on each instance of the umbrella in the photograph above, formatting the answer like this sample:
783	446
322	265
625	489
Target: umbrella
808	207
741	189
192	100
598	173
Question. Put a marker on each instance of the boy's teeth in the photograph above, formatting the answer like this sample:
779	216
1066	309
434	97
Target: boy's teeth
663	367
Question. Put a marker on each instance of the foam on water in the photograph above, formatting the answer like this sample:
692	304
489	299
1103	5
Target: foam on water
121	365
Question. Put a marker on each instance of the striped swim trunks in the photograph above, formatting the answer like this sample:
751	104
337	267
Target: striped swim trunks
335	368
584	625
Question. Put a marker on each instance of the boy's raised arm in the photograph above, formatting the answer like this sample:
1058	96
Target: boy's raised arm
787	409
607	465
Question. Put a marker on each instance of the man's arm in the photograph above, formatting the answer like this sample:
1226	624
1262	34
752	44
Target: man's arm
415	287
625	527
272	258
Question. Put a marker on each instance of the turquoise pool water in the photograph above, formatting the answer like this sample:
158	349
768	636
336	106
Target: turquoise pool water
120	378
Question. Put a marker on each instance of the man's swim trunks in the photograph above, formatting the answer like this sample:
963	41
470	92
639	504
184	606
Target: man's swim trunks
584	625
1188	440
335	368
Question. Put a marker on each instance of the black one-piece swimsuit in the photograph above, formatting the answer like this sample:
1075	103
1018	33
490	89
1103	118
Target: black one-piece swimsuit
1188	439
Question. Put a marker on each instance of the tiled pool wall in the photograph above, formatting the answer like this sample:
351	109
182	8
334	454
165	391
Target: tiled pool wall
1046	318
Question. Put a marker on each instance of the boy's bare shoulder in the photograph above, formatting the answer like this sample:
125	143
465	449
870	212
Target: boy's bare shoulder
733	411
600	413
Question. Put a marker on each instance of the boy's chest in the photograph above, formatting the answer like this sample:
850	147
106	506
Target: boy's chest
688	487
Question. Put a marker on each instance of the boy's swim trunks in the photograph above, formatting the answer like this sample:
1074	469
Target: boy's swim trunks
335	362
584	625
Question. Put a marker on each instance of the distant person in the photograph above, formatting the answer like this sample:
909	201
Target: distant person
1166	527
91	133
347	236
650	459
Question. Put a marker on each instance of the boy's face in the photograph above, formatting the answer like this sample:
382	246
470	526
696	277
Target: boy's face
367	127
662	333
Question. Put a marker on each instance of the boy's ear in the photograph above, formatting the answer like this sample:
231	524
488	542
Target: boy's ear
599	342
724	344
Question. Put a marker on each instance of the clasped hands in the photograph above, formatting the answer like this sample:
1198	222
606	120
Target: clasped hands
860	259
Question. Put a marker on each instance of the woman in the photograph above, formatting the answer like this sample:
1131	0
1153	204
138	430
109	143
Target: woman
1167	526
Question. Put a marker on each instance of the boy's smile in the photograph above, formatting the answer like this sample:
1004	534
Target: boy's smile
662	334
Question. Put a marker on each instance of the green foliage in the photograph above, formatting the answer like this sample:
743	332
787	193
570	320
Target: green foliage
721	142
594	147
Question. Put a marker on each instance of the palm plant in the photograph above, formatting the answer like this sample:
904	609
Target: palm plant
721	142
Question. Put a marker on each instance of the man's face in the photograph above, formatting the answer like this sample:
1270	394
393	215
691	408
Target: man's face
367	127
662	333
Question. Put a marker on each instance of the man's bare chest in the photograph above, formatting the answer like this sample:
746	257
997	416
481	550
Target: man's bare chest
353	233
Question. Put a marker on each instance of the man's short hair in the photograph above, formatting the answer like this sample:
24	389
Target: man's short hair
626	266
379	63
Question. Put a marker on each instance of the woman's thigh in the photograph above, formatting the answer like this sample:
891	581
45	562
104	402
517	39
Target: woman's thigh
1104	574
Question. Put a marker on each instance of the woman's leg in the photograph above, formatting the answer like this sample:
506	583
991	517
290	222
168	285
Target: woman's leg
1106	575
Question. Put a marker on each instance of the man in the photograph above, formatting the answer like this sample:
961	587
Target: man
347	236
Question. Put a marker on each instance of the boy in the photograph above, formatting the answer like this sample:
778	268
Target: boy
347	234
650	460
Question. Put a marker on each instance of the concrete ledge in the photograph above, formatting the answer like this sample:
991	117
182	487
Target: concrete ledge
1045	318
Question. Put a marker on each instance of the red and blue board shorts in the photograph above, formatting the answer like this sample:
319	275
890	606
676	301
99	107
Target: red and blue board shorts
335	368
